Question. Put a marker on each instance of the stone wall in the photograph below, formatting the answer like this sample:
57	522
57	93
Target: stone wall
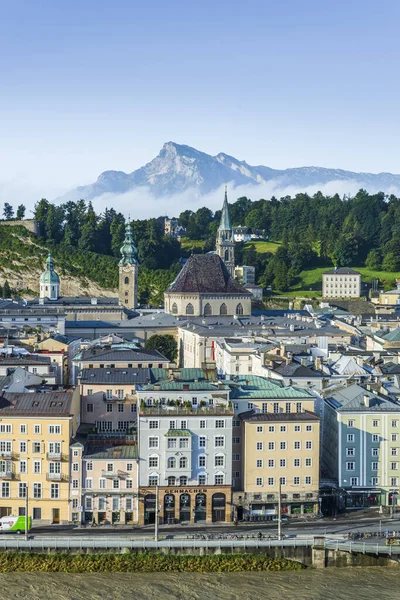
30	224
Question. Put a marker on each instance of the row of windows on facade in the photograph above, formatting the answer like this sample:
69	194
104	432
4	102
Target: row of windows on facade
183	461
283	462
223	309
130	366
36	493
282	428
219	442
270	481
102	504
120	407
218	424
36	429
375	423
37	447
6	466
277	407
284	445
375	451
202	479
351	466
394	481
339	278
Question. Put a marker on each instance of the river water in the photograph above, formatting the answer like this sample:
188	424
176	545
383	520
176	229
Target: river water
361	583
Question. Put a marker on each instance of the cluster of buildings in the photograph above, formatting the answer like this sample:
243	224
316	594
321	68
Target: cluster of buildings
259	408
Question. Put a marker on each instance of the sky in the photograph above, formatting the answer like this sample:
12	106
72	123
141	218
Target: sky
92	85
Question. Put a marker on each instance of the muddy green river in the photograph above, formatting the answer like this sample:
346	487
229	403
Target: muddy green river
363	583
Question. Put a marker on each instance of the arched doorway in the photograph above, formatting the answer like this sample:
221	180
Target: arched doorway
149	509
169	509
218	507
184	508
200	508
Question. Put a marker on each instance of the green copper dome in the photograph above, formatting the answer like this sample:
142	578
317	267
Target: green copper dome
49	275
128	250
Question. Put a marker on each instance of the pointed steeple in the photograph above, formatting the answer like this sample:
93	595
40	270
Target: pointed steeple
225	224
128	250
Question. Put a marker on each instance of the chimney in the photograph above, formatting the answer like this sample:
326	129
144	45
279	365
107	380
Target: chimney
318	363
303	362
366	400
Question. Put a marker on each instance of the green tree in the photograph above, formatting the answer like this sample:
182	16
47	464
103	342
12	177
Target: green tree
165	344
374	260
21	212
391	262
8	211
281	277
6	290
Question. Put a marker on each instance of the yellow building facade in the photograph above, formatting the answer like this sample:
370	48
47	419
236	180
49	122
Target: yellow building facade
280	456
35	434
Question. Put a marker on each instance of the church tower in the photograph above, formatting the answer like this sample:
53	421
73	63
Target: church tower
225	246
128	271
49	281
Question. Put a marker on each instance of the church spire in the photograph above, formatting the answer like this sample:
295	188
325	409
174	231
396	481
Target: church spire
225	224
128	250
225	246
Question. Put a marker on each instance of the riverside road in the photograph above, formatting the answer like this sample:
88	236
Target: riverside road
322	527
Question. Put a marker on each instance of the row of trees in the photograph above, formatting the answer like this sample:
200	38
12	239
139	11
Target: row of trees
8	212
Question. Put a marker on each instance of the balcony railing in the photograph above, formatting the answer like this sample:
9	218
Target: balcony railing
54	456
167	411
6	474
6	454
115	474
55	477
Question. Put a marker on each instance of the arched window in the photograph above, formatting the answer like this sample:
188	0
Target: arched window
183	461
171	463
239	309
171	480
226	256
223	309
207	310
174	308
183	480
189	309
126	280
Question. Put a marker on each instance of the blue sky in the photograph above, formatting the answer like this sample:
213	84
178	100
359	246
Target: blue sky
93	85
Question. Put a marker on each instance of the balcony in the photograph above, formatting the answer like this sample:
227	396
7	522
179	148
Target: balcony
6	474
55	477
7	454
115	474
169	411
54	456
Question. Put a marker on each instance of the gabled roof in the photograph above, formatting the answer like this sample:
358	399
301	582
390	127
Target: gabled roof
346	365
40	404
116	355
293	369
264	417
391	336
207	274
342	271
116	376
351	399
254	387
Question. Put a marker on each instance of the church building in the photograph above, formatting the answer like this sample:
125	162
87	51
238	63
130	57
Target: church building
128	271
205	286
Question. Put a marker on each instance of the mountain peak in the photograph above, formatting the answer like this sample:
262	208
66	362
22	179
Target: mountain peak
179	168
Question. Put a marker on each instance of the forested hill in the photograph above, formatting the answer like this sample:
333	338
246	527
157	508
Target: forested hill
312	232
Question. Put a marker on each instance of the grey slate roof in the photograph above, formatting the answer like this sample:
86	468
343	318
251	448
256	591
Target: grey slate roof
117	376
23	359
114	355
40	404
342	271
206	274
121	452
293	369
264	417
351	399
